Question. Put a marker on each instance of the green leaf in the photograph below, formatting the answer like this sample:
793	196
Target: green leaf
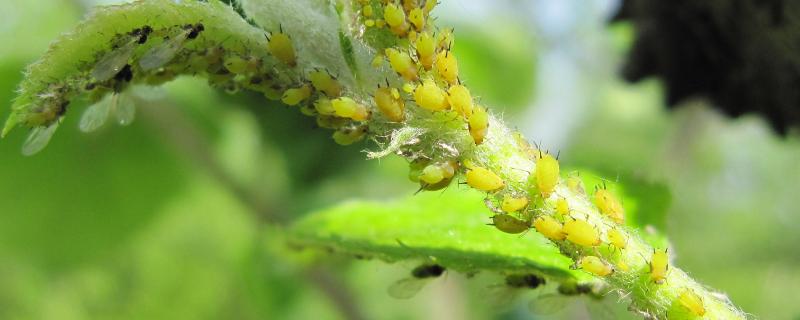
448	228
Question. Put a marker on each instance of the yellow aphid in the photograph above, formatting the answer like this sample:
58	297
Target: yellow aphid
367	11
380	23
546	175
241	65
331	122
692	302
429	96
324	106
596	266
294	96
402	64
659	266
326	83
575	184
369	23
281	47
483	179
444	39
478	124
390	103
412	36
409	5
460	100
562	207
396	19
349	135
582	233
349	108
377	62
415	168
417	18
509	224
429	179
426	49
409	87
549	227
617	239
513	204
608	205
435	173
429	5
447	66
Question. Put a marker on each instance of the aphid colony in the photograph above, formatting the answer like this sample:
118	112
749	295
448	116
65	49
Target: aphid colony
151	56
424	62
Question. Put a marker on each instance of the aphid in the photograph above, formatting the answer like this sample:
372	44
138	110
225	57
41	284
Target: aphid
38	139
509	224
513	204
348	135
408	287
396	19
692	302
562	207
435	173
426	49
596	266
324	106
390	103
460	100
369	23
621	265
429	96
415	168
513	285
549	304
326	83
409	5
582	233
377	61
367	10
412	36
239	65
348	108
549	227
617	239
444	39
402	64
97	114
331	122
164	52
575	184
608	205
111	63
479	124
380	23
484	179
546	175
659	266
429	5
294	96
447	66
280	45
417	18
